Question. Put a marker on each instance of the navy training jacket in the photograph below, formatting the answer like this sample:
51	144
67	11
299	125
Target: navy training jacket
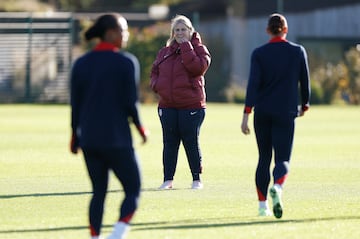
104	97
277	70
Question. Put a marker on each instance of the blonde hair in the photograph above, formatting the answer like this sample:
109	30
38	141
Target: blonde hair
179	19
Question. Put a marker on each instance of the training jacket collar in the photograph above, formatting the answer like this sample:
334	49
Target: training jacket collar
277	39
105	46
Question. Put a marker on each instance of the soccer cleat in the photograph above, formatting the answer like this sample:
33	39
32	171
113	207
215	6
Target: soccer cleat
166	185
197	184
275	194
264	212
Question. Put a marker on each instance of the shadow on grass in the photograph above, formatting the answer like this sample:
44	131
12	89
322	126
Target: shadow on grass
68	228
63	194
42	195
187	224
194	224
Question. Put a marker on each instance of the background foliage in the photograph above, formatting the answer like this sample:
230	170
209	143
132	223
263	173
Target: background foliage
332	82
145	44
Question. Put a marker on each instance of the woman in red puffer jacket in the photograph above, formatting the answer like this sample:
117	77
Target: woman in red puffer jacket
177	76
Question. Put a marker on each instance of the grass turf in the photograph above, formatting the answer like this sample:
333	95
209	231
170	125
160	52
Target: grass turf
44	190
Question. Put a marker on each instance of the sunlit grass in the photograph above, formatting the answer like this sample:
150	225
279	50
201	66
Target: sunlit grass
44	190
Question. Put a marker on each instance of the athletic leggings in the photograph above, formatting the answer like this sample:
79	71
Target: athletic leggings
273	132
181	126
123	162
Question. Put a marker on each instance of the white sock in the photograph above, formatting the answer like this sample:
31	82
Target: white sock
278	187
263	204
120	230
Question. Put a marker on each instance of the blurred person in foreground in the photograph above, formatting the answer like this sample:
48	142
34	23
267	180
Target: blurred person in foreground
103	99
177	76
278	69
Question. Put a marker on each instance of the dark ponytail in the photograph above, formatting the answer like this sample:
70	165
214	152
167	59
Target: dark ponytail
101	25
93	32
276	24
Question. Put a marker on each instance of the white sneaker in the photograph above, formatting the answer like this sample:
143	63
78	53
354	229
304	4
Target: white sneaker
197	184
166	185
120	230
264	212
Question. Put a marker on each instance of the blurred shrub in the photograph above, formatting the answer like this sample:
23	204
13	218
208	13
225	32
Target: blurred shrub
351	85
145	44
340	81
327	77
317	93
218	75
234	93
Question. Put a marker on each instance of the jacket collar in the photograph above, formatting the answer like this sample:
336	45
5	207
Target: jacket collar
278	39
105	46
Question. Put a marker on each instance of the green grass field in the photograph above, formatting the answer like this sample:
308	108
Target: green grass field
44	190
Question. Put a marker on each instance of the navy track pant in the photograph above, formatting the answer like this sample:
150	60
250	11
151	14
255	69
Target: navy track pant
181	125
274	132
123	162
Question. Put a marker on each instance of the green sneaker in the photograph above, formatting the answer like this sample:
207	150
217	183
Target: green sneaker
275	194
264	212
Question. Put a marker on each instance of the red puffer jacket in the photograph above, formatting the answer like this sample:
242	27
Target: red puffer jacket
177	74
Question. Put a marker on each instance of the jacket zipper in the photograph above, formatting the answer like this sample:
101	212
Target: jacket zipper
171	81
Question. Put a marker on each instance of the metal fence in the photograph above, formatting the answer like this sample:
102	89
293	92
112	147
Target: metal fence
35	57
